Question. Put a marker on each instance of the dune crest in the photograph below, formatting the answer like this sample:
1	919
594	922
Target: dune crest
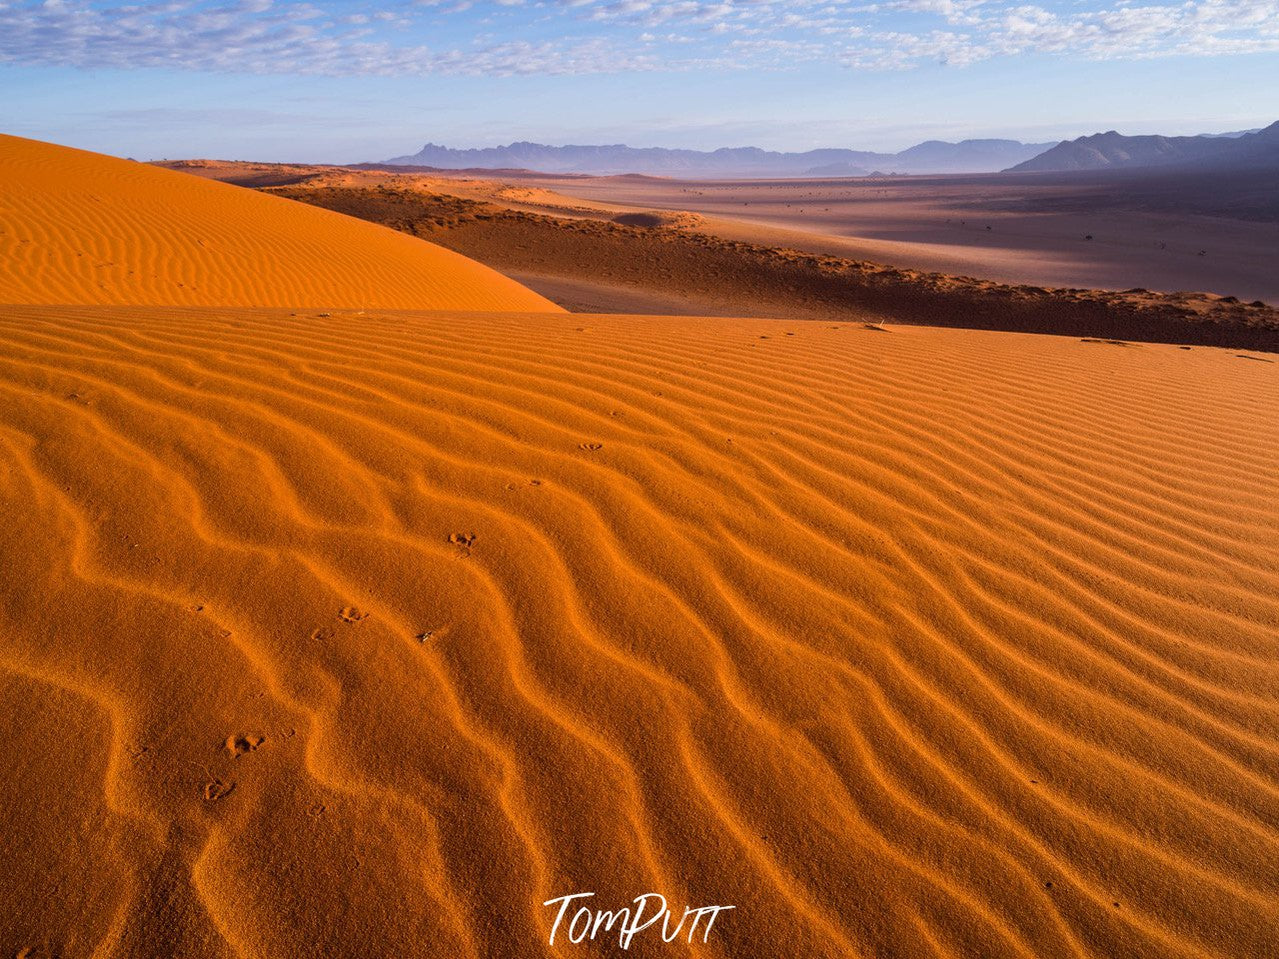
83	228
378	631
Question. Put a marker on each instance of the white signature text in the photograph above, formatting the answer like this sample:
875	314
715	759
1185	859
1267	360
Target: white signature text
587	923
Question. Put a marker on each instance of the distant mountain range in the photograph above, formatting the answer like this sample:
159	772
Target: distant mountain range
934	156
1247	149
1113	151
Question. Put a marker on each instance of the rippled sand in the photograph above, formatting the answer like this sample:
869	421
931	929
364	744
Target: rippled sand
364	634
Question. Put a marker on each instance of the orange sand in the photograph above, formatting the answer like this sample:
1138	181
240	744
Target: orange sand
362	633
79	227
925	642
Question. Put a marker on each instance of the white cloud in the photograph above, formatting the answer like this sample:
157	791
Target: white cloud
599	36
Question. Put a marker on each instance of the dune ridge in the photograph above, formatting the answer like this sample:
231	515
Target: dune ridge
1162	230
666	260
82	228
386	627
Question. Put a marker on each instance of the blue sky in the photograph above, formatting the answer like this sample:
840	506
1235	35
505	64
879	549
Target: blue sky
280	80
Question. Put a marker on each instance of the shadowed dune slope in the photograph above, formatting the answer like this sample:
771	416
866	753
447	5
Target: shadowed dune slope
82	228
364	635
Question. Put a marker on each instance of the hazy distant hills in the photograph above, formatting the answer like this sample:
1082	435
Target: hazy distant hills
1101	151
934	156
1106	151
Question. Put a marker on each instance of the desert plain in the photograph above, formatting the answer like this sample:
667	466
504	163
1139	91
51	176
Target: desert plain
1164	230
636	244
357	599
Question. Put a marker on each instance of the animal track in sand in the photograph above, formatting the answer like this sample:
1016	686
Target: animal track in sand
590	447
465	540
321	634
216	789
237	746
428	635
351	614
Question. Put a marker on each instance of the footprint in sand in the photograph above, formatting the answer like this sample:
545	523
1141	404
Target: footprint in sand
432	635
320	635
237	746
216	789
590	447
350	614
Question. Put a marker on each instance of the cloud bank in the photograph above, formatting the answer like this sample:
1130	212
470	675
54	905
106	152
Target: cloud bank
578	37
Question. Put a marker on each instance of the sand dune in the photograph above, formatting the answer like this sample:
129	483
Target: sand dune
362	635
79	227
594	256
1173	231
660	263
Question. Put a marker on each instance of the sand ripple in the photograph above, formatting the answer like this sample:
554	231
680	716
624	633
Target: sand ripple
78	227
362	635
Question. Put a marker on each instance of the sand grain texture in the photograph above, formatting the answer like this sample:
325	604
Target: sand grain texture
361	635
82	228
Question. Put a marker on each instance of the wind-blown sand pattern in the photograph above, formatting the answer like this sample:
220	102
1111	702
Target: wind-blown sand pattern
78	227
362	635
598	261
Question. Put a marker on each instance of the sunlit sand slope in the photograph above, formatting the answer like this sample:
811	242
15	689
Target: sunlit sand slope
79	227
364	635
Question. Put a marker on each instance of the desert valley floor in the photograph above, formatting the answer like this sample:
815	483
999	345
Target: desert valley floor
331	626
